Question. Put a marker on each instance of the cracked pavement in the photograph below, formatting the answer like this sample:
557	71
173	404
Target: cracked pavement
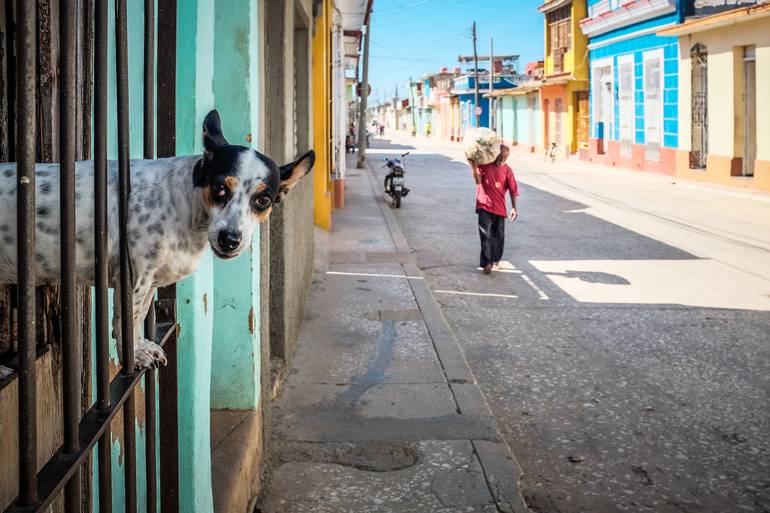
380	411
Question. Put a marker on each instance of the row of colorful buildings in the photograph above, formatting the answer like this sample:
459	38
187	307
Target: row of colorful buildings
680	87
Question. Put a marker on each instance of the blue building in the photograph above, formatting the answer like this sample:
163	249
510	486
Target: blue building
464	90
633	83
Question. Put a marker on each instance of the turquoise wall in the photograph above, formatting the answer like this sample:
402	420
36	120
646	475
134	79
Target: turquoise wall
203	83
528	133
194	94
506	118
514	120
236	358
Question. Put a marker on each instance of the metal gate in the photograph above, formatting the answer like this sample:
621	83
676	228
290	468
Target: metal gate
699	73
85	426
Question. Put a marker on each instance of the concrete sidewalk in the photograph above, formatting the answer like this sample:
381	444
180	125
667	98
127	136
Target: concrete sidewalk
381	412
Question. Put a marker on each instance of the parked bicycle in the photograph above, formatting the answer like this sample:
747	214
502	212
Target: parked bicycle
550	153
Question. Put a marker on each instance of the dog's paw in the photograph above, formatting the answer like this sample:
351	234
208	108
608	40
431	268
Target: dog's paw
148	354
5	372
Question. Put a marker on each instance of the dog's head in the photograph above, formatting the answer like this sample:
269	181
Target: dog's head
239	187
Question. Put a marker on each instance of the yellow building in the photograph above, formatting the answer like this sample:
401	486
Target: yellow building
321	107
724	97
564	91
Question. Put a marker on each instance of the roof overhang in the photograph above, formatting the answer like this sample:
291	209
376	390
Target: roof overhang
605	19
720	20
525	88
553	5
353	16
560	81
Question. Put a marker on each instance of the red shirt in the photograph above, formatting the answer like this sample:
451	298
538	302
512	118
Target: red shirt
495	181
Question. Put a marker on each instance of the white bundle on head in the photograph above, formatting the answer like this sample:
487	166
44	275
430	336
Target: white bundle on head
482	145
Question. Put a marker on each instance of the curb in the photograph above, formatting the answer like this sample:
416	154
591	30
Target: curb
502	471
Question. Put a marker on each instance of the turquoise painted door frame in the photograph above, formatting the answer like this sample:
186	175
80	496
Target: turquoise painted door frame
236	361
202	83
195	294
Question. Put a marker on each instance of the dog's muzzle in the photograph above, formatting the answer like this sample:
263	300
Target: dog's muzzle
228	244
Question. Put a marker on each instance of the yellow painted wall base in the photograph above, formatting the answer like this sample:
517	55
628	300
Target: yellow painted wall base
719	171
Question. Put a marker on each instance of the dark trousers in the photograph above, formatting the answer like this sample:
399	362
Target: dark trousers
492	233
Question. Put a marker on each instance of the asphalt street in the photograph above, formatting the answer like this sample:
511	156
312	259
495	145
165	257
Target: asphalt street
624	351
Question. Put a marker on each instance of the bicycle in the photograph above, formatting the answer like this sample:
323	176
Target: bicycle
550	153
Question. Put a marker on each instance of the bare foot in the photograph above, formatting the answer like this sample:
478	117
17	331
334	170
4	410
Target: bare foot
487	268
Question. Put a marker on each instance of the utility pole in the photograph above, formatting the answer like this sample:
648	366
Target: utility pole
396	116
476	77
364	95
414	116
491	81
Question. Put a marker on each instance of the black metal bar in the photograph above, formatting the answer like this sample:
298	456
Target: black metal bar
105	470
71	351
151	445
124	181
126	281
166	116
101	301
150	377
93	426
149	79
166	147
102	331
150	409
169	415
26	66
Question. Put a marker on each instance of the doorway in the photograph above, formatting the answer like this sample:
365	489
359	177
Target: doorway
531	118
626	103
749	109
557	121
582	119
699	100
653	105
603	104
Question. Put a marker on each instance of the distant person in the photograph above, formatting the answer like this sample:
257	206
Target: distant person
492	182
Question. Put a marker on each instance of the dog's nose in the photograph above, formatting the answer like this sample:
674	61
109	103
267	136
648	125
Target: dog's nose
229	241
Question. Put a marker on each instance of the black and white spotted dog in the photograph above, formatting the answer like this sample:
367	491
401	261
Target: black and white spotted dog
177	208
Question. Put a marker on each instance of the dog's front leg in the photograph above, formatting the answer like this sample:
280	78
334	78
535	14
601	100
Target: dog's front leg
146	352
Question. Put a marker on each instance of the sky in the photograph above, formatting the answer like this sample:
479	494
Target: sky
417	37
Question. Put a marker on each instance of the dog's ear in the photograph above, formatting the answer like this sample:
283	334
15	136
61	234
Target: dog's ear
200	176
292	172
213	138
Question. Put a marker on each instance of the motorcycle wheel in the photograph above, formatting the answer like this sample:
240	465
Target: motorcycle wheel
397	199
387	184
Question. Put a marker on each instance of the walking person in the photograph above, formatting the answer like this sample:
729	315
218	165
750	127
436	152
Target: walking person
492	182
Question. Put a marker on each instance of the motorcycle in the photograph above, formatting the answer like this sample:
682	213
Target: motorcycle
394	180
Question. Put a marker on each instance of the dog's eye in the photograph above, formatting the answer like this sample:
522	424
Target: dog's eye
262	202
219	190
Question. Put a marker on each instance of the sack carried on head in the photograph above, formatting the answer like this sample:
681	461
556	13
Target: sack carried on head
482	145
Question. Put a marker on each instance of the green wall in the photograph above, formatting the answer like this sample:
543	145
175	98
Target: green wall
231	85
194	95
236	358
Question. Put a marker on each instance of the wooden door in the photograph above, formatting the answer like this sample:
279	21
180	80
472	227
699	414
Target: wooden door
582	121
